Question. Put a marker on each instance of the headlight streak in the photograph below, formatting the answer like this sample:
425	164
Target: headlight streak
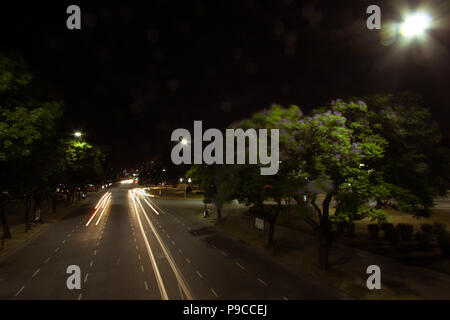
106	202
169	257
158	277
97	207
150	205
101	200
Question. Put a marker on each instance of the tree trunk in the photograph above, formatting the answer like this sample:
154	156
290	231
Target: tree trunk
54	204
272	223
219	214
27	212
325	233
4	220
324	251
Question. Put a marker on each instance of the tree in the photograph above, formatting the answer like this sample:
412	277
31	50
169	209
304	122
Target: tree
27	124
254	188
416	167
216	182
83	163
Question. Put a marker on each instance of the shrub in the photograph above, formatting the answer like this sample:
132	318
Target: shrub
350	230
439	228
406	231
444	243
391	233
427	228
374	230
424	239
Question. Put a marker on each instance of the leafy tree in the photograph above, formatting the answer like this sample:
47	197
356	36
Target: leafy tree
416	167
83	163
216	182
254	188
27	124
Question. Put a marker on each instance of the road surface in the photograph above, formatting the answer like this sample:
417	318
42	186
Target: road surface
141	247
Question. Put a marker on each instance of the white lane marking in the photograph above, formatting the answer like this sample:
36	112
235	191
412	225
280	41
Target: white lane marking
118	260
68	235
158	277
188	261
224	254
35	273
134	239
64	241
173	242
284	298
92	262
95	252
98	243
47	260
240	265
176	271
142	268
180	251
145	284
139	256
57	249
263	282
214	292
86	277
20	290
199	274
73	230
79	296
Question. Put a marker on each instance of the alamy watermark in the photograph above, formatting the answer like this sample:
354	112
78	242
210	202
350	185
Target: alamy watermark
235	147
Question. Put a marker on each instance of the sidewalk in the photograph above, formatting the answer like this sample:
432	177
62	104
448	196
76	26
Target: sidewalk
20	237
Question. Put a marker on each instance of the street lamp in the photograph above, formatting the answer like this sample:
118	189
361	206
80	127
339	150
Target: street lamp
77	134
415	24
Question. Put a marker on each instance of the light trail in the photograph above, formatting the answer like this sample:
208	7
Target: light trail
108	199
158	277
150	205
101	200
97	207
169	257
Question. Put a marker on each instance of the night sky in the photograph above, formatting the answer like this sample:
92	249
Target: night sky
134	73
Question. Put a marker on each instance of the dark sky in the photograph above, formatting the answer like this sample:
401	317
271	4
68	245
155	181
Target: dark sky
135	72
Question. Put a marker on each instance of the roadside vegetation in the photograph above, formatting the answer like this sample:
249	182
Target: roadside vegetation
364	158
39	160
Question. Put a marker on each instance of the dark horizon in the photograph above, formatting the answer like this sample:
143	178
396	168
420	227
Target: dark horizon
145	70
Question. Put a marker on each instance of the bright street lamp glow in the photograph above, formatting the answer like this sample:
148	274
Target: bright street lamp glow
189	180
415	24
77	134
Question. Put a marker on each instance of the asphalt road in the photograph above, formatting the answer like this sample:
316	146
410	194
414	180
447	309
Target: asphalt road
143	247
